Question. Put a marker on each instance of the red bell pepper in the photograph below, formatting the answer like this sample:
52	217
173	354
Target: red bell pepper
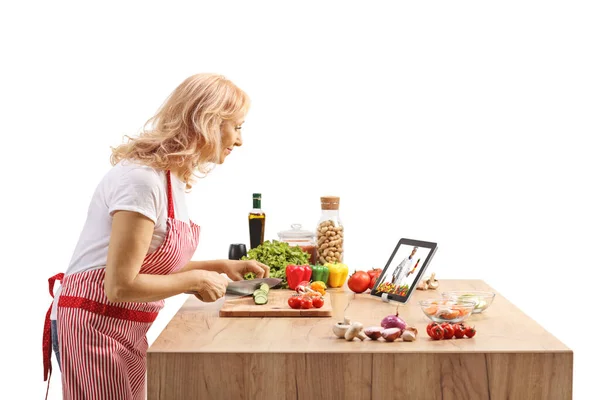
296	274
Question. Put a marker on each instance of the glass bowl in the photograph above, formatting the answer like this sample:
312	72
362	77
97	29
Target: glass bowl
447	310
482	299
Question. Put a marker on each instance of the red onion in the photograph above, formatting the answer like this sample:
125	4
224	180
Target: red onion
393	321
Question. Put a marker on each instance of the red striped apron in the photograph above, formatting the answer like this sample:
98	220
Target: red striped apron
102	344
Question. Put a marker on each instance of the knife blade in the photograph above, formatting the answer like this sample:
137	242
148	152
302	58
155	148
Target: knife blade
247	287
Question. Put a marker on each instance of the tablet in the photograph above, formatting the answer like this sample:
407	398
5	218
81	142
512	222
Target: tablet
404	269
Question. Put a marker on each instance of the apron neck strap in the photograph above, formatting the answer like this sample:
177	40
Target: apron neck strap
170	196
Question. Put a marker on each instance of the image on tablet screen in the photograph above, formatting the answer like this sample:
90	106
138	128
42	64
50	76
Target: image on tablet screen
403	270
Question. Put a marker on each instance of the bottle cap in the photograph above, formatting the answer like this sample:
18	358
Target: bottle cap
256	200
330	203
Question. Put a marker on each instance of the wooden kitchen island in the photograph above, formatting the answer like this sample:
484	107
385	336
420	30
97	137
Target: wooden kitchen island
200	355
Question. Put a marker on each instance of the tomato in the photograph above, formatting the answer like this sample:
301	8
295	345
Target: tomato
459	330
306	303
374	275
294	302
436	332
470	332
359	281
448	330
318	302
431	325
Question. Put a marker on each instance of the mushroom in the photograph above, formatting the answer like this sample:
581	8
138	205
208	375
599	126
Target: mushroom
355	330
423	285
340	328
432	282
428	283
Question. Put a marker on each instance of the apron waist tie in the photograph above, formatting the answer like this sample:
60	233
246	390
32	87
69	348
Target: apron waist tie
46	338
106	309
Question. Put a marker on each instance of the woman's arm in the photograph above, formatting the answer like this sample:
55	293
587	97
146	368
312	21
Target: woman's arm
130	239
235	269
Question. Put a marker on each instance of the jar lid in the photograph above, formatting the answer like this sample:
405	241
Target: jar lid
330	203
296	232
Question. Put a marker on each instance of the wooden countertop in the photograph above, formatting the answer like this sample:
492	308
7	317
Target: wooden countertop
503	328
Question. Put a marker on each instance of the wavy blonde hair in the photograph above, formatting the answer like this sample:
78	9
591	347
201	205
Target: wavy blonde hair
185	133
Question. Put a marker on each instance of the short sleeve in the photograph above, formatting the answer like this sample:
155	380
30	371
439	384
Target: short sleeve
139	190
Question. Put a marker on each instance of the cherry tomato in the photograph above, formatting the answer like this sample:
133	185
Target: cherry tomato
448	330
431	325
294	302
470	332
306	303
436	332
318	302
459	330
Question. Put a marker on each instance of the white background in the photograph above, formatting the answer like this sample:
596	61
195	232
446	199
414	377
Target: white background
490	107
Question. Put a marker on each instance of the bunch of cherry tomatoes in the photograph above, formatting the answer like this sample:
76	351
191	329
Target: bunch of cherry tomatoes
448	331
308	296
306	301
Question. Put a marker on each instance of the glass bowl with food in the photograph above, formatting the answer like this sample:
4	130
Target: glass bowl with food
482	299
447	310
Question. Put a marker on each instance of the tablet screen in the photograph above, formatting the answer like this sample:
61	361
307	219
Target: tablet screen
402	271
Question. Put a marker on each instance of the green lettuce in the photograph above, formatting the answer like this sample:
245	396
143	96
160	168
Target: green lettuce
277	255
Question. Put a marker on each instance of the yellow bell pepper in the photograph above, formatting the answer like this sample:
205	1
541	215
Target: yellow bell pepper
338	273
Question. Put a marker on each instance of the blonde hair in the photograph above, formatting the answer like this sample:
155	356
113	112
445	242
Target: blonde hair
185	132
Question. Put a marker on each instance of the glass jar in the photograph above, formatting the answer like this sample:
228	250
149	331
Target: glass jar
330	232
302	238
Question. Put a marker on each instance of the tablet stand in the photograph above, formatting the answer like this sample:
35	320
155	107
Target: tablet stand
384	297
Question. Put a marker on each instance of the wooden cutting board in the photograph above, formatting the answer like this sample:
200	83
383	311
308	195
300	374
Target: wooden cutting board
277	306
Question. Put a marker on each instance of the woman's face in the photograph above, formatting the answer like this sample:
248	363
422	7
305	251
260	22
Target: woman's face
231	136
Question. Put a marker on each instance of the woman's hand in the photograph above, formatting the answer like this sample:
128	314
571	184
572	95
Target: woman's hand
236	270
209	286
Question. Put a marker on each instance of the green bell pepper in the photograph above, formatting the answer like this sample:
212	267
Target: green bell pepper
319	273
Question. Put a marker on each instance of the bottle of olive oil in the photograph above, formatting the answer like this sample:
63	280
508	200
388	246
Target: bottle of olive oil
256	221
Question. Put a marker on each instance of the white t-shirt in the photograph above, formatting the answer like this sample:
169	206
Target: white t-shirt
126	186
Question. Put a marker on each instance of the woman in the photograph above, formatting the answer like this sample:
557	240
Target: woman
137	242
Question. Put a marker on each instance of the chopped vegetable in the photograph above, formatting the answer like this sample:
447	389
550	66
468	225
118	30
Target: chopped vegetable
277	255
261	295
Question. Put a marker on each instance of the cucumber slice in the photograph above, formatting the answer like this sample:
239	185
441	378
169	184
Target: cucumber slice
261	299
259	292
264	287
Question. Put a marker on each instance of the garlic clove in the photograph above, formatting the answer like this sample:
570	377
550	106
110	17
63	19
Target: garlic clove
409	336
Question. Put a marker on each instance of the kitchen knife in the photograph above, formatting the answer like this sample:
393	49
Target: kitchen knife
247	287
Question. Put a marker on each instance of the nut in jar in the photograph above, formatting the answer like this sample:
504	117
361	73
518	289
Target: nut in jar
330	242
